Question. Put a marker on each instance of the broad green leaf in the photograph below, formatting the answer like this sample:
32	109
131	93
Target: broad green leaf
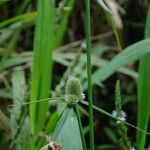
69	136
51	125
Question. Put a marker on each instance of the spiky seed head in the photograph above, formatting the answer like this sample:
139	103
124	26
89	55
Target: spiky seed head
73	86
73	90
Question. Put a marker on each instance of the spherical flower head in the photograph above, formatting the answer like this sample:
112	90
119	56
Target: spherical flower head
73	90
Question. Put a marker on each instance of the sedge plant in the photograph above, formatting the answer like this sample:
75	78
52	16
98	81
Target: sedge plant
58	124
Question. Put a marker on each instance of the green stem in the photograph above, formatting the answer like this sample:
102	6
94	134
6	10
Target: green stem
80	127
115	118
88	43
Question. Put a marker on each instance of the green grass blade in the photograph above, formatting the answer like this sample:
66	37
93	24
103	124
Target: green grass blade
90	98
118	105
110	20
22	6
18	119
42	62
63	23
27	16
62	58
11	44
144	91
127	56
114	28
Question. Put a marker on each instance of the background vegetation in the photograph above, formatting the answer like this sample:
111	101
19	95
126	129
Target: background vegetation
53	51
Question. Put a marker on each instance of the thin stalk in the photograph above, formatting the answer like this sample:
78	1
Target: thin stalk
88	44
80	127
52	101
115	118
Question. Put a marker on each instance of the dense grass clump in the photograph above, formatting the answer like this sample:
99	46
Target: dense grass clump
69	77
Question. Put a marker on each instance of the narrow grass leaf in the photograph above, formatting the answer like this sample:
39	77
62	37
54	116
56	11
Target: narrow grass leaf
27	16
62	58
18	119
114	28
42	63
144	91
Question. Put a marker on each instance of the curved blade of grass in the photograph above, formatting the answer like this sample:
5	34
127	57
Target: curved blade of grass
42	63
27	57
61	58
144	91
127	56
110	20
27	16
114	28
